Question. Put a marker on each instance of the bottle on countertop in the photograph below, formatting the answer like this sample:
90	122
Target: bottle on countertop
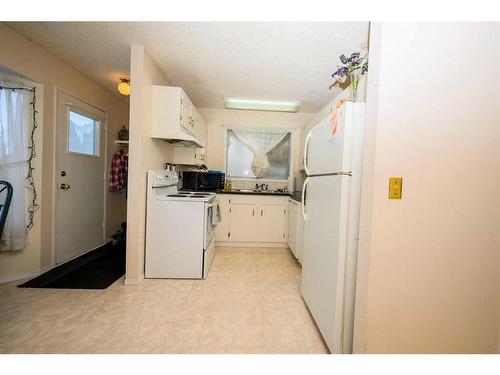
228	186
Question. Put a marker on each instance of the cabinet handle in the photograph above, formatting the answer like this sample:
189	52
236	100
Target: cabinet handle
261	212
181	110
253	212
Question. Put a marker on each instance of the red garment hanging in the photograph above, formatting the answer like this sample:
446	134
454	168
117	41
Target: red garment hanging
119	170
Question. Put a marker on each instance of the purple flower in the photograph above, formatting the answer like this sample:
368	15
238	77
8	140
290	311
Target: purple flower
351	64
341	71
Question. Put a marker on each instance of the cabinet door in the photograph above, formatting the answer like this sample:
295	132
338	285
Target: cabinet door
272	223
300	236
195	123
199	156
204	131
244	223
222	230
186	116
292	228
200	134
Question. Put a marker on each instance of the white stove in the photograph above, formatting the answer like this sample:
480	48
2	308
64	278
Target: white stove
180	229
189	196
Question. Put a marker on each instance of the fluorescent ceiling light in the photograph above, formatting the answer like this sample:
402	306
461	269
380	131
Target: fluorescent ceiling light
262	105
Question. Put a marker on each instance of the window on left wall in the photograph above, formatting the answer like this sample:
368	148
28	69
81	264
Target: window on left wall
16	126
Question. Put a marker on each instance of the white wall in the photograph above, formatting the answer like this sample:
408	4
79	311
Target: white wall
218	119
25	58
145	153
428	272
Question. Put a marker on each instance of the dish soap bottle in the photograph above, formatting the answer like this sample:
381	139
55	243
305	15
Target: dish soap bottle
229	185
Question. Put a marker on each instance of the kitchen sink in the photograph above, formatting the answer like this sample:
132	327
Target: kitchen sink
258	191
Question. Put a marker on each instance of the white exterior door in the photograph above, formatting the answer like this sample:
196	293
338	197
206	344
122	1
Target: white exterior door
80	177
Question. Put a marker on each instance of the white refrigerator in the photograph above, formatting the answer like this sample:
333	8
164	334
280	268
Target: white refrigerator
330	206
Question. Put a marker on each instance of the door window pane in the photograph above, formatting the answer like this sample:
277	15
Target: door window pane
83	134
239	159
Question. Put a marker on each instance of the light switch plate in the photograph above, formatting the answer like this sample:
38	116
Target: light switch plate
395	187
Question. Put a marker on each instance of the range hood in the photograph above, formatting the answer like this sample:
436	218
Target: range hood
180	138
184	142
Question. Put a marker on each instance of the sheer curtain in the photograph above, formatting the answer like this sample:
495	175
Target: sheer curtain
15	120
260	141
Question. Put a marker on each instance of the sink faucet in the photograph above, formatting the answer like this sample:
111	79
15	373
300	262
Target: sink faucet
261	187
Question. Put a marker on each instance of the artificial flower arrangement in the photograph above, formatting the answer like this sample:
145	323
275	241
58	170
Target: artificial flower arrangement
353	68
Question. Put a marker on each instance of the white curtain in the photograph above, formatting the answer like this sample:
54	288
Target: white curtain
15	122
260	141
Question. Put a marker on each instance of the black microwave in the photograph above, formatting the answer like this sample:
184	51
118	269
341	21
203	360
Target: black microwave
202	181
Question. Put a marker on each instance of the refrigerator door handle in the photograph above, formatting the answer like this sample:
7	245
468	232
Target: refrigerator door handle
306	147
304	187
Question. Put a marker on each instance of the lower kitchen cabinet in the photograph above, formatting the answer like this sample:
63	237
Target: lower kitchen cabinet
295	229
223	228
253	220
244	225
189	155
272	223
300	236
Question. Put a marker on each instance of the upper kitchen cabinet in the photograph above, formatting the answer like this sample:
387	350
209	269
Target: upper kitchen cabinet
199	125
175	119
190	155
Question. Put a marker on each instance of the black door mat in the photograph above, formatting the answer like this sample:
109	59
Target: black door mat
96	269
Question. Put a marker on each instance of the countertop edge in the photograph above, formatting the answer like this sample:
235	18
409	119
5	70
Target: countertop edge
296	196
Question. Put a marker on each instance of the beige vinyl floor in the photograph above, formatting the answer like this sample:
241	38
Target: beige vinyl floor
250	303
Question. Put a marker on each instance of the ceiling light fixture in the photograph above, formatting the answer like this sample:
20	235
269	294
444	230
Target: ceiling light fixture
262	105
124	86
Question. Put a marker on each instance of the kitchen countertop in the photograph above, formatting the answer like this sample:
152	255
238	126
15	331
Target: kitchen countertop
295	195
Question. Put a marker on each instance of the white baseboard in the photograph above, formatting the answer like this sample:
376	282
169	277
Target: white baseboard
133	282
251	244
26	275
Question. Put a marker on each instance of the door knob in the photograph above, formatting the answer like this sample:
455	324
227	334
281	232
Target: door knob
65	186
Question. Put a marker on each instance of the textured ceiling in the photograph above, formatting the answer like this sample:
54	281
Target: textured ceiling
211	60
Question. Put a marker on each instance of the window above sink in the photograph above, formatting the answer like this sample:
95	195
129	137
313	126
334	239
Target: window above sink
239	157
